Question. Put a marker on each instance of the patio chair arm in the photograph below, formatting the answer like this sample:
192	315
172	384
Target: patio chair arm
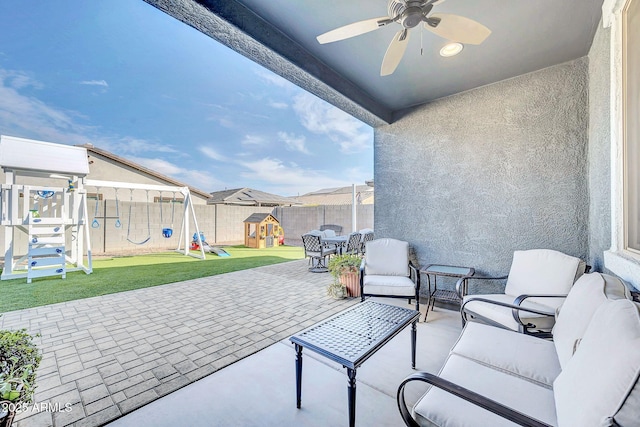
461	290
414	274
466	394
362	278
521	298
515	309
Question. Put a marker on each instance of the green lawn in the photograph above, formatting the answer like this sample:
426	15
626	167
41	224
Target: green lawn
111	275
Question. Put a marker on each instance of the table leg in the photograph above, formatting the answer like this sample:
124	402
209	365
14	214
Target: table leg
413	344
298	375
351	395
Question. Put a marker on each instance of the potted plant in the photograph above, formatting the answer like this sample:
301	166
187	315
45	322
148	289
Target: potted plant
337	290
19	360
345	269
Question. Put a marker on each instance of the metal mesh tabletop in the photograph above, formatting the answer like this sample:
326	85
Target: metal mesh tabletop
356	333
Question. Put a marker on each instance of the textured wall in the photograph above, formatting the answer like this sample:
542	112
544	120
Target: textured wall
470	178
599	148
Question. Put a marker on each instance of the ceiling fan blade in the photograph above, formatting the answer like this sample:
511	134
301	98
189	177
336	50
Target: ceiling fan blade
353	30
458	28
395	52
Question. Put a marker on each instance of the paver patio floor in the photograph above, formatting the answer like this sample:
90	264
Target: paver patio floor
106	356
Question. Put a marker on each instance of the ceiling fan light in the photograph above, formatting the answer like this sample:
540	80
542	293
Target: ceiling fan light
451	49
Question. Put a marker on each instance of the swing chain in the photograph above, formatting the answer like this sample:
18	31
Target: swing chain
95	223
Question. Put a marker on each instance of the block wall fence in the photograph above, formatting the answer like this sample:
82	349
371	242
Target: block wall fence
221	224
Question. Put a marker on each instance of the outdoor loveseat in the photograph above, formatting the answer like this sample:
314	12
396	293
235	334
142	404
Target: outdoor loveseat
587	376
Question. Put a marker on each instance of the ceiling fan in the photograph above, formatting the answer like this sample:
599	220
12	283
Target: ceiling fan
410	13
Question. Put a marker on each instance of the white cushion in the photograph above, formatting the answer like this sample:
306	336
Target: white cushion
530	358
328	233
600	382
504	316
387	257
572	320
388	285
439	408
542	271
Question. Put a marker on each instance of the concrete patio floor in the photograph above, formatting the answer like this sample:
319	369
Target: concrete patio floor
107	356
260	389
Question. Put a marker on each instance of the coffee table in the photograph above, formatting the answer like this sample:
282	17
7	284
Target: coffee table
353	336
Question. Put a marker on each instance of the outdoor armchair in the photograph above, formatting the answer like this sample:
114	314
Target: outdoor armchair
367	236
387	272
317	252
537	284
353	244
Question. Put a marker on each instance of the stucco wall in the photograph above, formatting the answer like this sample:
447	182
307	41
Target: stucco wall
470	178
599	147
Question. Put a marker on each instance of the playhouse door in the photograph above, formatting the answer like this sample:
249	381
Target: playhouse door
269	239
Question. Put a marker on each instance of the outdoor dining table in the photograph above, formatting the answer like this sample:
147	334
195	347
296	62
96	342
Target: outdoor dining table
339	241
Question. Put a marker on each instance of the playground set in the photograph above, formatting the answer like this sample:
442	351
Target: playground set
54	216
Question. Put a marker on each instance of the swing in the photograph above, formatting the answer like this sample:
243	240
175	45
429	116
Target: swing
95	223
148	221
167	232
118	224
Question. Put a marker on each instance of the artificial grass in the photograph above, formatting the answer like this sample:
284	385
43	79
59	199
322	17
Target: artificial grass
118	274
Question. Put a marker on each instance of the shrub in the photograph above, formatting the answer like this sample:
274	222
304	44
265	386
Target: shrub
19	360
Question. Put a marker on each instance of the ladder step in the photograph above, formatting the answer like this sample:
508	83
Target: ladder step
35	263
44	272
44	221
59	229
38	240
52	250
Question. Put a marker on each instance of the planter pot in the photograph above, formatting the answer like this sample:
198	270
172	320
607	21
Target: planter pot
352	282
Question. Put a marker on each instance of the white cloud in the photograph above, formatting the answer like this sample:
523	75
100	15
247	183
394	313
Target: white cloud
278	105
253	140
200	179
211	153
26	116
130	145
294	143
102	83
288	179
273	79
320	117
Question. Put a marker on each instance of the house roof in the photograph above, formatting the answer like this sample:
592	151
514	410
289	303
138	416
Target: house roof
248	197
91	149
259	217
281	35
338	196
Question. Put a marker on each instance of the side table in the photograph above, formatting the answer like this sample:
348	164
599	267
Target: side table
444	295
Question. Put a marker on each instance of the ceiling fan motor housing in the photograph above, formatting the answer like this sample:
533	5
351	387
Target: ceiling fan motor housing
411	12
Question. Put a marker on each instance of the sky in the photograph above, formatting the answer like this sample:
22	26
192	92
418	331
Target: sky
132	80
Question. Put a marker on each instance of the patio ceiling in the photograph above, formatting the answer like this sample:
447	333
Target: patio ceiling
281	35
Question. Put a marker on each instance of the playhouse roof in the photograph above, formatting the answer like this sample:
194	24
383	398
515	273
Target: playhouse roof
259	217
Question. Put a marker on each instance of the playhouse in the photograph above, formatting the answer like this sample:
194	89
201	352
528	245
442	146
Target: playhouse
262	230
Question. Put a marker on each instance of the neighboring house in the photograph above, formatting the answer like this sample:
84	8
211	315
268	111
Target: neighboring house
249	197
338	196
106	166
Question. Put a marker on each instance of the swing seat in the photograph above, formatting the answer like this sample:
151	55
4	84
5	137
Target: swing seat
167	232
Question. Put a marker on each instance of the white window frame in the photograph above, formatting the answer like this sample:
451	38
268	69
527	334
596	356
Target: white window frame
619	260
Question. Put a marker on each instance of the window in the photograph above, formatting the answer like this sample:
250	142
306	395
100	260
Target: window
631	123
